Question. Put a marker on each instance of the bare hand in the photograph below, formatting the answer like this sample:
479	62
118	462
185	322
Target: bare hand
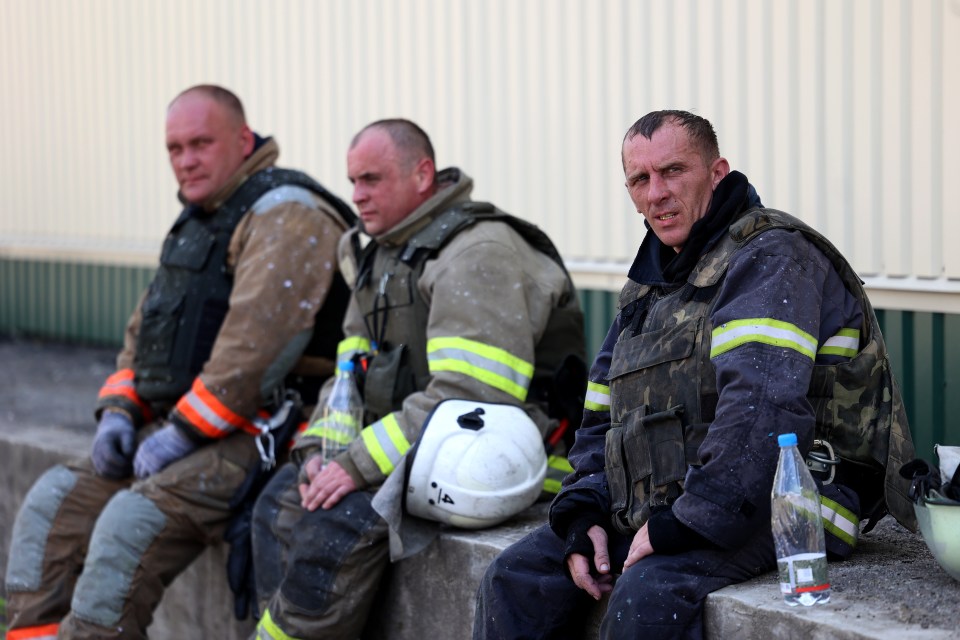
579	566
328	484
639	548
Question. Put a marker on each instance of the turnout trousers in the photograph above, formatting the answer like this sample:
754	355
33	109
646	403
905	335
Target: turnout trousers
317	571
527	593
90	557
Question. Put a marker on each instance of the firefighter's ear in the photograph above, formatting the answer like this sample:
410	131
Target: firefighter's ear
425	173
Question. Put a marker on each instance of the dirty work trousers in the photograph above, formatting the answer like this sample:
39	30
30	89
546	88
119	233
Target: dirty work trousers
527	593
134	537
317	571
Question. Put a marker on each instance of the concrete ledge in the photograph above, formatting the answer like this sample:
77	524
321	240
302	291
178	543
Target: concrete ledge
432	594
893	587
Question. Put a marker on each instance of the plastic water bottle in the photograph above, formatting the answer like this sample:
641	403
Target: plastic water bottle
342	415
798	529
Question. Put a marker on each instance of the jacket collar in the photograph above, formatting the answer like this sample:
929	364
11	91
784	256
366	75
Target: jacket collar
453	187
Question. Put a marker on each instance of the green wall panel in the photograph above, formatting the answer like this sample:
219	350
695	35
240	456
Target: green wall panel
90	303
71	301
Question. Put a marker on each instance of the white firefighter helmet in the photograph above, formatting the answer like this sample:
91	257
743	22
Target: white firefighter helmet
939	521
939	515
475	464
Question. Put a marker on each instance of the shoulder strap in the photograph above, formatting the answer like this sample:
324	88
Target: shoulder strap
272	178
435	235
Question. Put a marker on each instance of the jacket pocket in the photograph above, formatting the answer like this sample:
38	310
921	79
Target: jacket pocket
158	329
653	348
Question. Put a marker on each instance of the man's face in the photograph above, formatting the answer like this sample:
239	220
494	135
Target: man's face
669	181
206	143
385	190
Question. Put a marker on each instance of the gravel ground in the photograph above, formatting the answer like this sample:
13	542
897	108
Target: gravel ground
56	384
894	566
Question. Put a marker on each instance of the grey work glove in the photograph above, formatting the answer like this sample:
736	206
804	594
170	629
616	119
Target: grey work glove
164	447
114	445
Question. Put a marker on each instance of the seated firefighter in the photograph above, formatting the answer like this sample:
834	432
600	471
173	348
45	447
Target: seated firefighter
245	309
737	323
461	317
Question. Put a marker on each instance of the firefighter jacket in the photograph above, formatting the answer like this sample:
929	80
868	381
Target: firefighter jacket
769	332
475	319
244	279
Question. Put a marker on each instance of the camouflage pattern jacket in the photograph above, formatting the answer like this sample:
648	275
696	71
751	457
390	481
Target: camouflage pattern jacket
770	333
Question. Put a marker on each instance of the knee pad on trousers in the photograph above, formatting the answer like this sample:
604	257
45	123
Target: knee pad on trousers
32	528
127	526
322	542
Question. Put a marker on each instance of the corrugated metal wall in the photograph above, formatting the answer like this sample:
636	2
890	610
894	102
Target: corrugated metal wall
842	112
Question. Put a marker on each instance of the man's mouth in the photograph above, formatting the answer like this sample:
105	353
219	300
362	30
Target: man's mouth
667	216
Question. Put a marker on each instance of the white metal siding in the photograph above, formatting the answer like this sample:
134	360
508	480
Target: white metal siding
843	112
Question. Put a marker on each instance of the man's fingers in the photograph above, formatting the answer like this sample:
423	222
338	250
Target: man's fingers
601	555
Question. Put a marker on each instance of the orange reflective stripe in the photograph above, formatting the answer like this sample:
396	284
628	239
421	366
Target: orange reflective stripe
213	418
36	633
122	383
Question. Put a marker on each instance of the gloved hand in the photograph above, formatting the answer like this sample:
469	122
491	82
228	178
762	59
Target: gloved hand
167	445
114	445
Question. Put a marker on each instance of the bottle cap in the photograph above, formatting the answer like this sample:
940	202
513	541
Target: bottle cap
787	439
346	366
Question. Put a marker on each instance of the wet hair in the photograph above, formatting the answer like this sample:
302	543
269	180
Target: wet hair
699	130
411	141
218	94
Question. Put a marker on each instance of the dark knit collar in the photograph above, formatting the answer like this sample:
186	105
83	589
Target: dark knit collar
659	265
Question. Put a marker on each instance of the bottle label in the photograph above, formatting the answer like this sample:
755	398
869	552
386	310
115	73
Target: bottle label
803	573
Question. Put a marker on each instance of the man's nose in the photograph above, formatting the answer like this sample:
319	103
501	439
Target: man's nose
359	194
186	159
657	189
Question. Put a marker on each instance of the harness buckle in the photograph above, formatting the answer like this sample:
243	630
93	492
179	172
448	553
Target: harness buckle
266	443
823	460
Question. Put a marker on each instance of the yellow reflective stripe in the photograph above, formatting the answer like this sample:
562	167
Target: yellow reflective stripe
839	521
347	347
598	397
386	443
321	428
490	365
268	629
560	463
777	333
557	469
846	343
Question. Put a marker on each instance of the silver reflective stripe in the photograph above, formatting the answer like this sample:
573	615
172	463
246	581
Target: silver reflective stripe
211	417
839	521
32	527
127	526
284	194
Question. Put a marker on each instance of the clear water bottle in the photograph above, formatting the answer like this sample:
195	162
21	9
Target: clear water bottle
341	418
798	529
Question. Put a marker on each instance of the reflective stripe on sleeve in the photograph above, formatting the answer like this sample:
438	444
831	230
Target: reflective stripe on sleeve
846	343
320	428
349	347
777	333
490	365
597	398
210	416
122	383
385	442
839	521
